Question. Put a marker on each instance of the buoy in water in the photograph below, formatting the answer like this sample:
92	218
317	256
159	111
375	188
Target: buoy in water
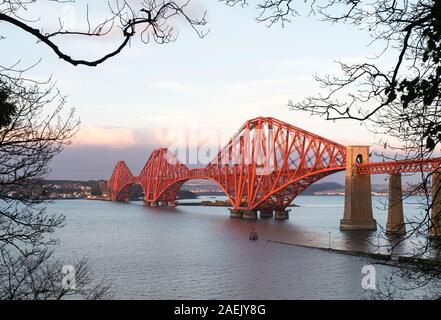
253	235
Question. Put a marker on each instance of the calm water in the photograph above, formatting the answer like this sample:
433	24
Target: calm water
200	253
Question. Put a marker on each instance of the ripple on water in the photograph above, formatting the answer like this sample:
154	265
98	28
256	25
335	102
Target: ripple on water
200	253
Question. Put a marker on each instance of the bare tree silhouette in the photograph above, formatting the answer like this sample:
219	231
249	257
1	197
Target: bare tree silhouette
152	19
401	102
34	128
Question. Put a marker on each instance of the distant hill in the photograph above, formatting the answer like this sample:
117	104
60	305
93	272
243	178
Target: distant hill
185	194
196	188
137	193
337	187
80	187
322	187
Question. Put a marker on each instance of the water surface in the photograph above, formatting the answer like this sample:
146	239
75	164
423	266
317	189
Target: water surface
195	252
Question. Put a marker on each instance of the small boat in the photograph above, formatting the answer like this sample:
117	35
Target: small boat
253	235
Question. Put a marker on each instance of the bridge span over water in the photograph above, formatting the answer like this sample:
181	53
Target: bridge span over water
268	163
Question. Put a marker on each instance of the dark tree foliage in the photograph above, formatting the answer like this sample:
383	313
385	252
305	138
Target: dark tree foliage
7	109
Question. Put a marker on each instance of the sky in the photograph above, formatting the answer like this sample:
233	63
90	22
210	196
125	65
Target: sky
241	69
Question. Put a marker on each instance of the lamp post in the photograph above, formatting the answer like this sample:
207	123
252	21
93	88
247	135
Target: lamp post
378	243
329	240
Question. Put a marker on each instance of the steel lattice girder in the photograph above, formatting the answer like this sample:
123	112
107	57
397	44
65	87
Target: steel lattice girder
403	166
265	165
269	162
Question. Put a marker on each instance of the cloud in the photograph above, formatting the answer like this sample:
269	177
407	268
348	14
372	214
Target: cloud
79	162
121	137
105	136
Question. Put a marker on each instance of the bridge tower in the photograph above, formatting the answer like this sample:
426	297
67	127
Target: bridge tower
435	227
395	218
358	200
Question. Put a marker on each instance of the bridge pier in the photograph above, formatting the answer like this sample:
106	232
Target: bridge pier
358	200
281	214
249	214
172	204
235	213
265	214
153	203
435	225
395	218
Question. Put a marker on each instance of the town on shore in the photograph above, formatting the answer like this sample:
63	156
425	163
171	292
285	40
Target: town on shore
92	189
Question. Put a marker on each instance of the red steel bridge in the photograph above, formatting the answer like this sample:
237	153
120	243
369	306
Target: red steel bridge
263	167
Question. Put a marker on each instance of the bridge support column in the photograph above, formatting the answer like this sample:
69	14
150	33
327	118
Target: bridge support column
250	214
435	227
172	204
235	213
395	219
146	203
358	200
265	214
153	203
281	214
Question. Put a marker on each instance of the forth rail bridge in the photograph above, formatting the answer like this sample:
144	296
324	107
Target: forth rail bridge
268	163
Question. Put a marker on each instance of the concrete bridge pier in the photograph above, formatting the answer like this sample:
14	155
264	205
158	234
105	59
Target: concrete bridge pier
236	213
395	219
435	227
172	204
281	214
266	214
153	203
249	214
358	201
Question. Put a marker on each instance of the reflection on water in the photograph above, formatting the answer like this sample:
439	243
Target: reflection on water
199	252
316	222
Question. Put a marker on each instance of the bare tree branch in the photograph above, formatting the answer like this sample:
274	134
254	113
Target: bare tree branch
154	18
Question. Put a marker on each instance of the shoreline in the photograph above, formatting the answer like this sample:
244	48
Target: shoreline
214	204
387	259
202	203
304	195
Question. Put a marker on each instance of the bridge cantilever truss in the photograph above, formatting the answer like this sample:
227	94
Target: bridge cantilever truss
400	166
268	163
265	165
